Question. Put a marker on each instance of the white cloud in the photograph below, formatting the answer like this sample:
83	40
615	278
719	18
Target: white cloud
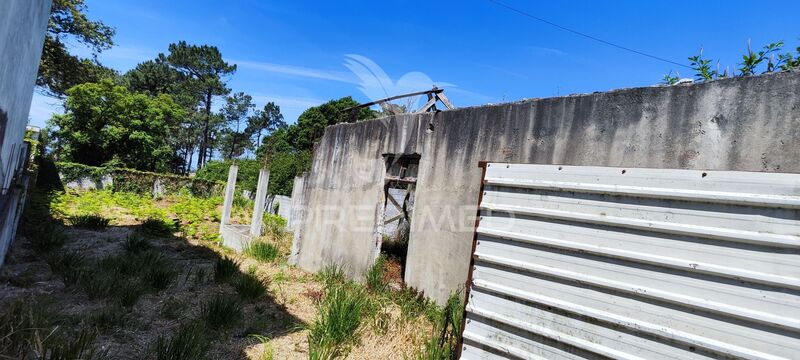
295	70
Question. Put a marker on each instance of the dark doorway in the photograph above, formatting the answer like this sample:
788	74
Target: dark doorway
398	208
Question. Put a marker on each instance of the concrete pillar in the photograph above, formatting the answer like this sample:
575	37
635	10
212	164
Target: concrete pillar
298	215
258	207
230	189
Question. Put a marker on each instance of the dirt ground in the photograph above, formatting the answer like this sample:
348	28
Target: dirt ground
281	315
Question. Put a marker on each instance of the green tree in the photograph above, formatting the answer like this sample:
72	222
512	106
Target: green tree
311	123
287	150
267	120
235	137
107	123
58	69
208	74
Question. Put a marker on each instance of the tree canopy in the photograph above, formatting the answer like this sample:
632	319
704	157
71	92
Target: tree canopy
58	69
106	123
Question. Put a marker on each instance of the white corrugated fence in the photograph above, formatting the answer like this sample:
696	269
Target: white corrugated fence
626	263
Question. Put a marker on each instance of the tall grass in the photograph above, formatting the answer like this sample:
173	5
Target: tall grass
442	343
250	286
71	265
90	221
225	268
135	244
30	329
374	277
262	251
187	342
336	326
221	312
332	274
46	235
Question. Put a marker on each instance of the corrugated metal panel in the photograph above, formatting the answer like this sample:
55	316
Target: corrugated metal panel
597	262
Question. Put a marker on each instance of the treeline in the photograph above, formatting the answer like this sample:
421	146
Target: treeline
174	113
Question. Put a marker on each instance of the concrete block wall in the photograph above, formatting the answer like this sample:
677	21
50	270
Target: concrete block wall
22	29
746	124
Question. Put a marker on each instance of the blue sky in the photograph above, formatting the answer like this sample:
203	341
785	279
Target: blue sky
295	53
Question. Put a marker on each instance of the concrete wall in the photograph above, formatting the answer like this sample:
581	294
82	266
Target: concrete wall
22	29
750	124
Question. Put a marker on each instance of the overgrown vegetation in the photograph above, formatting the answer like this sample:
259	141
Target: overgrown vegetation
30	329
144	265
769	58
262	251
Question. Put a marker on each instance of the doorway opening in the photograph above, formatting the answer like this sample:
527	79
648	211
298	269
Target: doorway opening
398	209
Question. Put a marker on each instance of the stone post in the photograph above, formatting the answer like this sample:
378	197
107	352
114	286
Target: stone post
230	189
258	207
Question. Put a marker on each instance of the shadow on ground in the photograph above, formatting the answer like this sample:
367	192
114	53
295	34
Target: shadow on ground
135	291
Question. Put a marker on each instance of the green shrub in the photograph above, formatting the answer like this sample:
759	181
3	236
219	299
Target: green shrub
90	221
262	251
246	176
274	225
187	342
221	312
335	328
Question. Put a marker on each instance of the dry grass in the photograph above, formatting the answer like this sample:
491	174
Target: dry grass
280	316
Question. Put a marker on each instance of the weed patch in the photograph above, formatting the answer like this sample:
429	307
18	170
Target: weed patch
135	244
375	276
90	222
249	286
335	328
221	312
262	251
187	342
225	268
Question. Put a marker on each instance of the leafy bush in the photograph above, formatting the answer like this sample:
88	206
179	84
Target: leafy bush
246	176
139	182
274	225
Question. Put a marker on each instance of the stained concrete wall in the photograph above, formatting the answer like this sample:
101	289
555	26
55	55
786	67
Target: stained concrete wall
22	29
749	124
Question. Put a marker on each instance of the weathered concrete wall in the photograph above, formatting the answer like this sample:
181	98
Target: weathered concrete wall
750	124
22	29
